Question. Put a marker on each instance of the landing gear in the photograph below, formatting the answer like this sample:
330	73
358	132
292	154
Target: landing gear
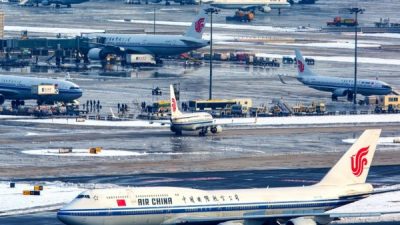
334	97
350	97
68	6
178	133
16	103
203	131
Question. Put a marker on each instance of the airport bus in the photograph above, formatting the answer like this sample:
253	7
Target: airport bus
218	104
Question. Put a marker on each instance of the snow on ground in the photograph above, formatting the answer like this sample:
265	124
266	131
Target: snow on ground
221	25
53	196
260	121
2	117
53	30
99	123
379	203
349	59
382	141
82	152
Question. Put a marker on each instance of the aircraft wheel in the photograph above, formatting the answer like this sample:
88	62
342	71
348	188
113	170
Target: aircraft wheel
178	132
334	98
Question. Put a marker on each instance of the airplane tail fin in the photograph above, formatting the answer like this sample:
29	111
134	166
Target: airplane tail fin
353	166
302	66
196	30
174	105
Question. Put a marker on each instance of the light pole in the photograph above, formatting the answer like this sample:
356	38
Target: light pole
355	11
211	11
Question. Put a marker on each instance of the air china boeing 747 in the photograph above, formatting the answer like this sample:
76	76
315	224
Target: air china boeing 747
305	205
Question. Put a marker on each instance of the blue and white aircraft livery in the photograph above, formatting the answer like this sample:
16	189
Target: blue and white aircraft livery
337	85
157	45
305	205
19	89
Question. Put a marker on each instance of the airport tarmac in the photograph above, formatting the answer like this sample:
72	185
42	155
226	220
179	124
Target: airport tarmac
157	150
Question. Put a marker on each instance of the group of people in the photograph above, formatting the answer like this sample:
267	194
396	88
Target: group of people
92	106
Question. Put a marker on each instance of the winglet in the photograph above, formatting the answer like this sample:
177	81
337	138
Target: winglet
354	165
174	105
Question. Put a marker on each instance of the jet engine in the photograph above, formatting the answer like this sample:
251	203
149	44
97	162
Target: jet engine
341	92
301	221
2	99
216	129
265	9
97	54
45	2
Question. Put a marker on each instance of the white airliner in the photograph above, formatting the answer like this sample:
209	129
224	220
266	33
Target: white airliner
249	5
305	205
159	45
337	85
202	121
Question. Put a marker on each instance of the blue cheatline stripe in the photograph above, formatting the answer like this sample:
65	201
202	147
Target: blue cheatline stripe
14	88
344	87
203	208
192	123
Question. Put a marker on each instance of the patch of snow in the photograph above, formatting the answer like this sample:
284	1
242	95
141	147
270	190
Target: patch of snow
53	30
82	152
382	141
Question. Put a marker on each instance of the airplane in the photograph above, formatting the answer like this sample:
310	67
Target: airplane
337	85
18	89
57	3
190	121
264	6
304	205
157	45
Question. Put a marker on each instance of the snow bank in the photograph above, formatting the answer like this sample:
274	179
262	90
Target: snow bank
82	152
382	141
99	123
53	30
375	204
249	122
221	25
53	196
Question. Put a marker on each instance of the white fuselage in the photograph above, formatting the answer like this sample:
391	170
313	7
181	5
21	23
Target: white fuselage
158	45
192	121
163	205
340	86
20	88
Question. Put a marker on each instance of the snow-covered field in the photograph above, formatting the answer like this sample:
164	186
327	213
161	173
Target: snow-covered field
82	152
240	122
53	196
382	141
373	205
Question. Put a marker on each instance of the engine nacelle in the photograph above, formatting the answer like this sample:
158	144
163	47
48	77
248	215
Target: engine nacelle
341	92
265	9
97	54
216	129
301	221
2	99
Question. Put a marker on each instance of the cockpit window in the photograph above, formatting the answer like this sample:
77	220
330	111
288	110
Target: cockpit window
386	86
73	88
83	196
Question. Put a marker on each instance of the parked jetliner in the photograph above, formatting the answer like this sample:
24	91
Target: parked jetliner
337	85
190	121
249	5
157	45
305	205
57	3
19	88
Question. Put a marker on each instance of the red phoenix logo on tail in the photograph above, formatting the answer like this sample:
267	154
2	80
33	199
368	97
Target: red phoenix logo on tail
173	105
198	26
300	65
358	161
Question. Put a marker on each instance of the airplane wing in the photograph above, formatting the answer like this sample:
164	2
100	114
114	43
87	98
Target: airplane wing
373	206
8	93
